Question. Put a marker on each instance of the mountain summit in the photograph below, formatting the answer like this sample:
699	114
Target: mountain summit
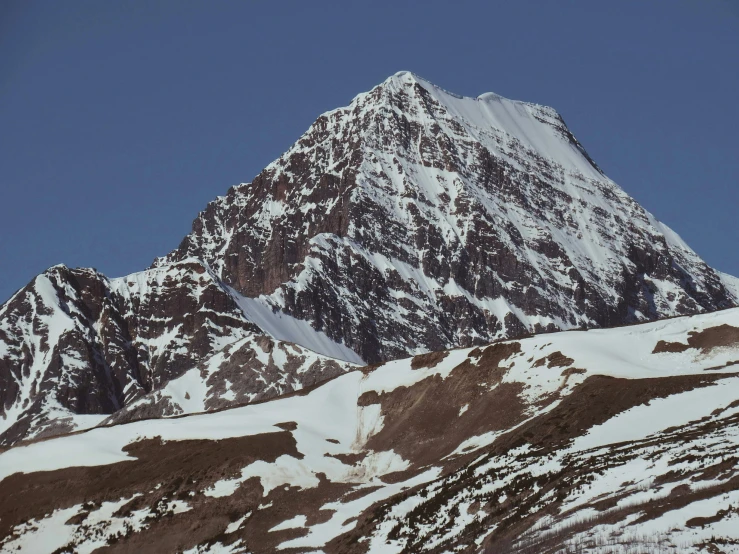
415	220
412	220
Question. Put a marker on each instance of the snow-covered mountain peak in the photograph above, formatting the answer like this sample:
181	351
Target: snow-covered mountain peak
537	127
406	78
415	220
412	220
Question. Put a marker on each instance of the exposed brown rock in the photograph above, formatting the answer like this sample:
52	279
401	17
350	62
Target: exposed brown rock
555	359
430	360
423	422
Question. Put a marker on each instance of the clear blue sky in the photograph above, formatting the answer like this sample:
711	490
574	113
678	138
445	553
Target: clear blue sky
119	120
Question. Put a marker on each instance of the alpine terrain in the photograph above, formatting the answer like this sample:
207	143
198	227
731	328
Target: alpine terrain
604	441
432	325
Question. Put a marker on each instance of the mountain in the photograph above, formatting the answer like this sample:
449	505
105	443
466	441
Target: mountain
600	441
411	221
416	220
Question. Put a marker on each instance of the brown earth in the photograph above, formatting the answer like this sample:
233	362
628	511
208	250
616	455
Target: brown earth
178	466
705	341
423	422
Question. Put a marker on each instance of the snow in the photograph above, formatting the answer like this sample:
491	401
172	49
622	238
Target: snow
333	407
237	524
224	487
521	120
731	283
398	373
47	535
218	548
283	326
188	391
340	522
297	521
330	411
675	410
622	352
476	442
52	533
669	532
284	471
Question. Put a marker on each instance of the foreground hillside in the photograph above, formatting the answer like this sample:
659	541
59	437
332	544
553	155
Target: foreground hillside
620	440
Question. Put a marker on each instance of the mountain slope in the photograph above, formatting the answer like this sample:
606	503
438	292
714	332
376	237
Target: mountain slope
76	347
599	439
416	220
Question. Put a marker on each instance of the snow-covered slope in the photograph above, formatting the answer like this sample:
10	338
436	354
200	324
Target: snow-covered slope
251	369
415	220
598	439
76	347
731	283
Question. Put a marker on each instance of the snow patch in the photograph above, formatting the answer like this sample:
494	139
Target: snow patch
285	327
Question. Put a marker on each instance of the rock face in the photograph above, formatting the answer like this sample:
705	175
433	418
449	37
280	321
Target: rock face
415	220
411	221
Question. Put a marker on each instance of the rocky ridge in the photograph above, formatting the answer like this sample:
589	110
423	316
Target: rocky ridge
79	347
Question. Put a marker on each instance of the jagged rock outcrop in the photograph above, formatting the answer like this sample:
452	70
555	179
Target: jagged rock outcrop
249	370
